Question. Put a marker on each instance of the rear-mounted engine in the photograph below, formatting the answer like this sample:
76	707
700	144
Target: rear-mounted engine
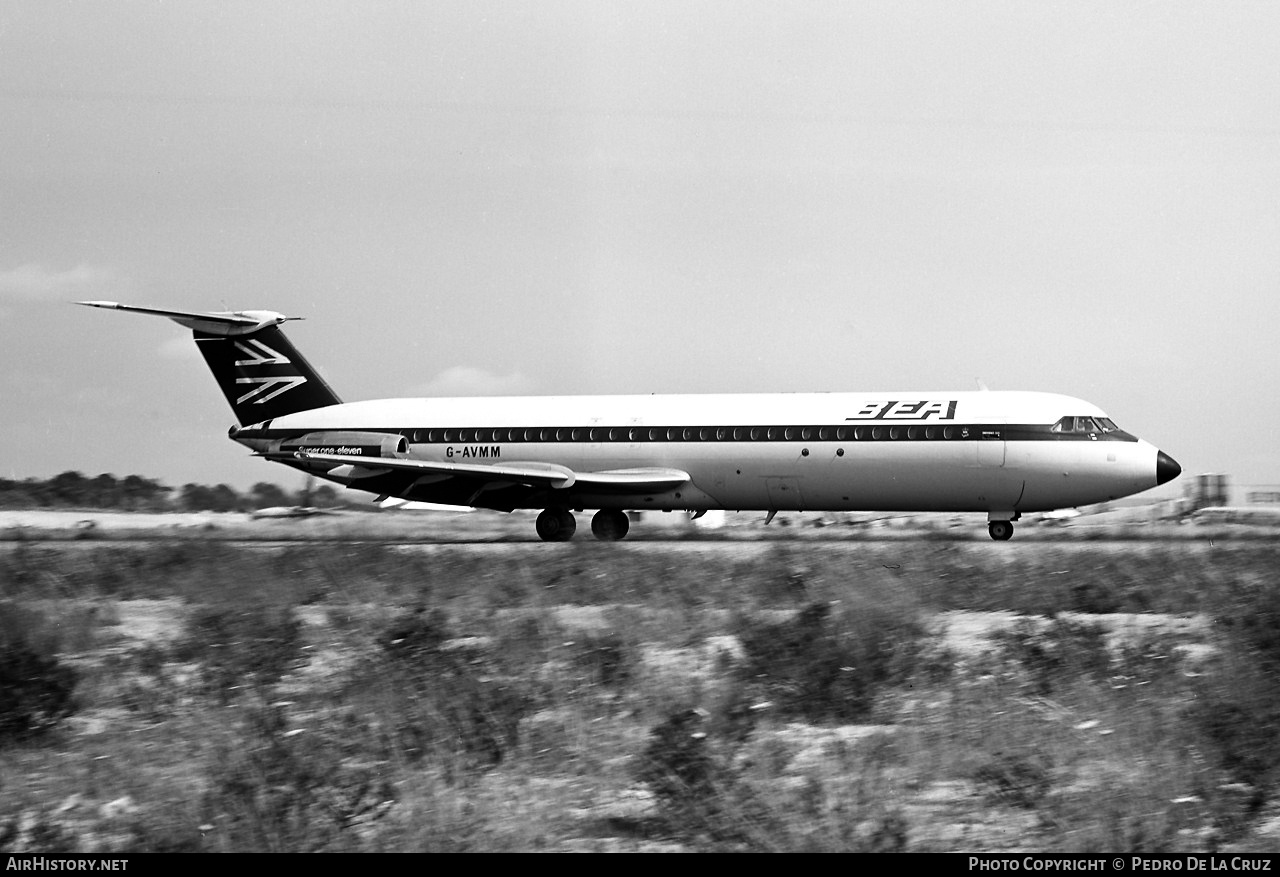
349	444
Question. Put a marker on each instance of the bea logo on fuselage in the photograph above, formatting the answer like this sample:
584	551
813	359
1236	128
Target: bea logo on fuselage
911	410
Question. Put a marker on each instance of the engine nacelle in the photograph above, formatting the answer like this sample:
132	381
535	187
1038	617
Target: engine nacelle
352	444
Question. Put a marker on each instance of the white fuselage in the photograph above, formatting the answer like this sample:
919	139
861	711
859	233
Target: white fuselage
995	452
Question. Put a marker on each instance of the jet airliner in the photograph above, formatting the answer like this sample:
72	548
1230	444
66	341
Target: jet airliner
1002	453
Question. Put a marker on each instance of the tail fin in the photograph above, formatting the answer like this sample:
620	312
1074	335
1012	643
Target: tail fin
259	370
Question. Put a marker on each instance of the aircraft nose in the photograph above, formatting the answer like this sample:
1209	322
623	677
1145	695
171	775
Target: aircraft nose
1167	468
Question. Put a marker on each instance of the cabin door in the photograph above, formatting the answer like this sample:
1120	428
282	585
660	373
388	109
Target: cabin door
990	446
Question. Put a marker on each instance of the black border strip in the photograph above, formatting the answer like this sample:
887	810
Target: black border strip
635	434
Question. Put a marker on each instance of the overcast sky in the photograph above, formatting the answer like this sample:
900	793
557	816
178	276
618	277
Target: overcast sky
600	197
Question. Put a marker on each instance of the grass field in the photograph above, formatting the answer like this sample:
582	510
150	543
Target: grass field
909	693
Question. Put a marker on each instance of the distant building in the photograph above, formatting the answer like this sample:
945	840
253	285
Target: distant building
1207	491
1262	497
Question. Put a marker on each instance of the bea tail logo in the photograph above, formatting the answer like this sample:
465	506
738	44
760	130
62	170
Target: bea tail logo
894	409
261	355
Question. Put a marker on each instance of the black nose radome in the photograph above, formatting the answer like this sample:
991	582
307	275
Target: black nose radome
1167	468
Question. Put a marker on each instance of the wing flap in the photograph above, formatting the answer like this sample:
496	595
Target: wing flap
540	474
634	480
533	474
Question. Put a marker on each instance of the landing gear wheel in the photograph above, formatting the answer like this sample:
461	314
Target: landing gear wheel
556	525
609	525
1001	531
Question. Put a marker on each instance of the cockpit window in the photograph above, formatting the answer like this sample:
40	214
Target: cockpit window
1084	425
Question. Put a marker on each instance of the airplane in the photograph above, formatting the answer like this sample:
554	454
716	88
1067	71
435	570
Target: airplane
1005	453
304	509
1256	515
290	511
1058	516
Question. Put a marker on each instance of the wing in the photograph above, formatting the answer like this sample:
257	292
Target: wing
488	477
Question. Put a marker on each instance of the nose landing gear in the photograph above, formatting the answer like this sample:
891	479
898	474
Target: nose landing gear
1001	531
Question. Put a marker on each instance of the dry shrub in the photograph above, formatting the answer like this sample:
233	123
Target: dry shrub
35	687
301	790
434	698
826	664
239	648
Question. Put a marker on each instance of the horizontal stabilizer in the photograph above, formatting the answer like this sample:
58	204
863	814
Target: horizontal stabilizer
261	374
212	323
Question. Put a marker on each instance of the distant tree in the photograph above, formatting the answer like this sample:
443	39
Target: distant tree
225	499
134	493
265	495
69	488
104	492
195	498
199	497
325	496
140	493
18	494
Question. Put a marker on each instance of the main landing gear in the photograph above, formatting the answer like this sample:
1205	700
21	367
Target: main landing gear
609	526
559	525
556	525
